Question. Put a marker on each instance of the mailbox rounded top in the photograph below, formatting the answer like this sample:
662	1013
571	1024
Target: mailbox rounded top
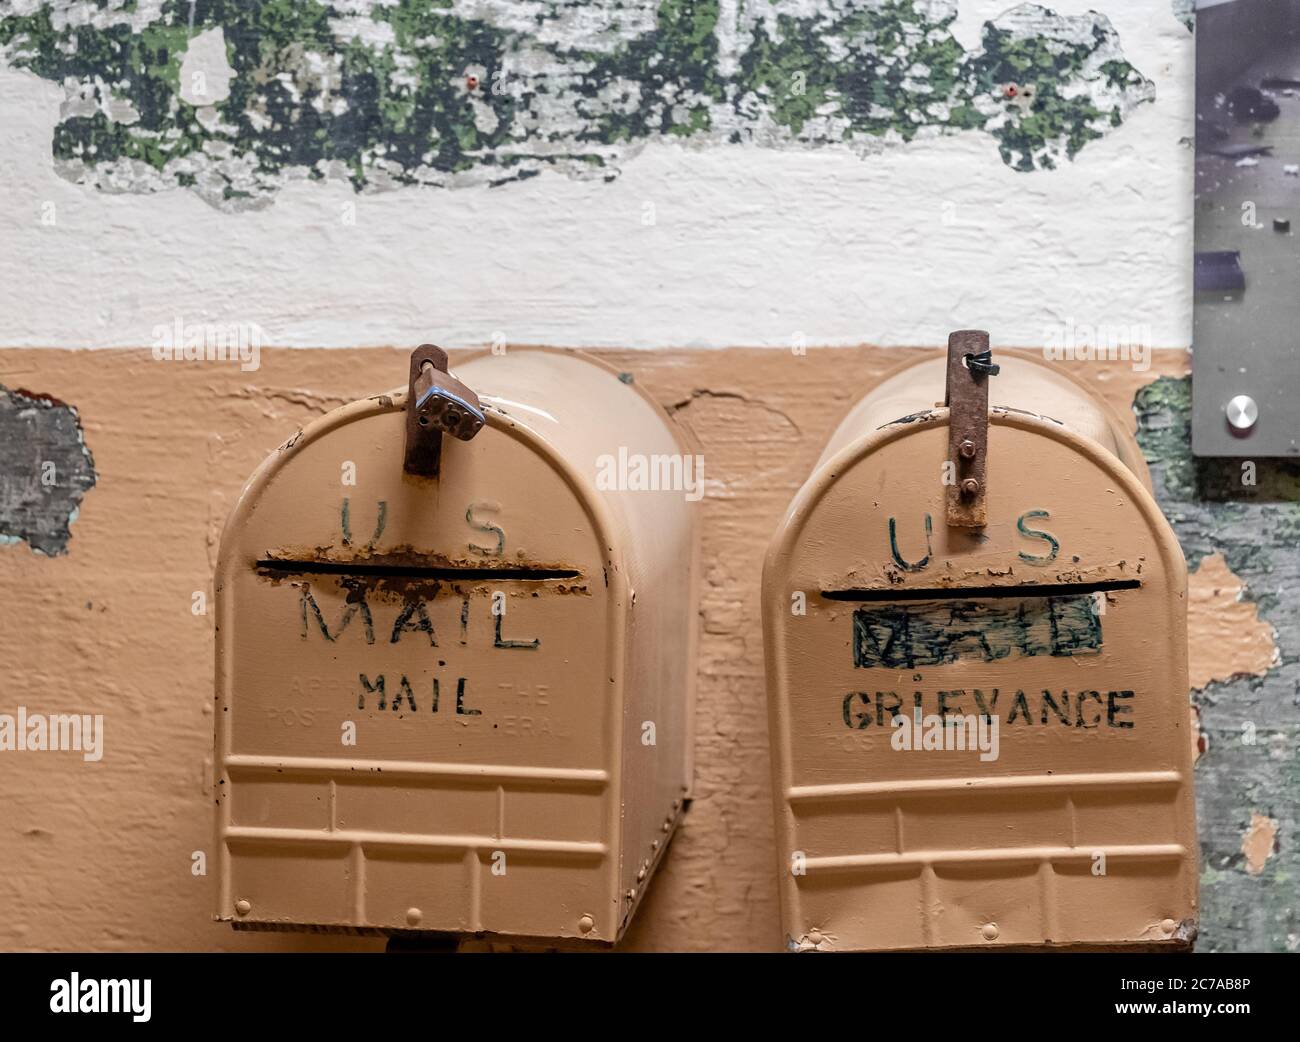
1023	385
575	402
1102	525
561	426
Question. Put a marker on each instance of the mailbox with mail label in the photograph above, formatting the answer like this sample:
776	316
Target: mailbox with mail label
455	674
975	629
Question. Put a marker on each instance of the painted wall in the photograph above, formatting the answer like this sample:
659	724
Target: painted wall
630	173
677	176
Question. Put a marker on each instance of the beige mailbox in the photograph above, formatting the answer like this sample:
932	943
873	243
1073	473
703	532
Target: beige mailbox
455	678
976	641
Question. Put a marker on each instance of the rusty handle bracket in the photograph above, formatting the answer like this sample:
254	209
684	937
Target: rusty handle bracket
436	404
970	364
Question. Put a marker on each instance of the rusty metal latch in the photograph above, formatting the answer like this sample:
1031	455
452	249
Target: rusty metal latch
970	364
436	404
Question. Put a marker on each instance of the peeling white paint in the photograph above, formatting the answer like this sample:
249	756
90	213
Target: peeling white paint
747	246
205	72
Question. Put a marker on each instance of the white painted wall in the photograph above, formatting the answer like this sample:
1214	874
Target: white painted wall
750	246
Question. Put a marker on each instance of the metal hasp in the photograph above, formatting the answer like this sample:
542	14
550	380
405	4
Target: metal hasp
436	404
970	364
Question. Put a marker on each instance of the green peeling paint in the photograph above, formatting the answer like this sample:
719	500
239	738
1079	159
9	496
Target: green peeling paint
448	92
1252	724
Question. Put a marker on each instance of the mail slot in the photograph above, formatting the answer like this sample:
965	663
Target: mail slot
455	678
976	649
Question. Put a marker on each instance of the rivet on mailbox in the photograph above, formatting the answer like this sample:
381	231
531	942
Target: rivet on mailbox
455	675
976	642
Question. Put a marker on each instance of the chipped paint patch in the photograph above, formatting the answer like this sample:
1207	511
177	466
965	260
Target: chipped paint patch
205	74
233	101
1247	512
45	470
1258	842
1226	638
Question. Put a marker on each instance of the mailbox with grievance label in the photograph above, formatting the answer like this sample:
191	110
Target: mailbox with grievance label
975	629
455	658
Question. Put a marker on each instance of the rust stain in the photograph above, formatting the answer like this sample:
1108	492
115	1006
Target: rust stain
1225	635
956	579
1259	842
404	572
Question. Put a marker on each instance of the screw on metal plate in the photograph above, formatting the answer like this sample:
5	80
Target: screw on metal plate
1243	413
436	404
970	364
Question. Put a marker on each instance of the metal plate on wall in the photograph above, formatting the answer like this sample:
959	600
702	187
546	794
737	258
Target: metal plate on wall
1246	326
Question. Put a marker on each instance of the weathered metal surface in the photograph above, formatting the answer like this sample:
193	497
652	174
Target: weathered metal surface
436	404
457	706
443	402
980	737
967	397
